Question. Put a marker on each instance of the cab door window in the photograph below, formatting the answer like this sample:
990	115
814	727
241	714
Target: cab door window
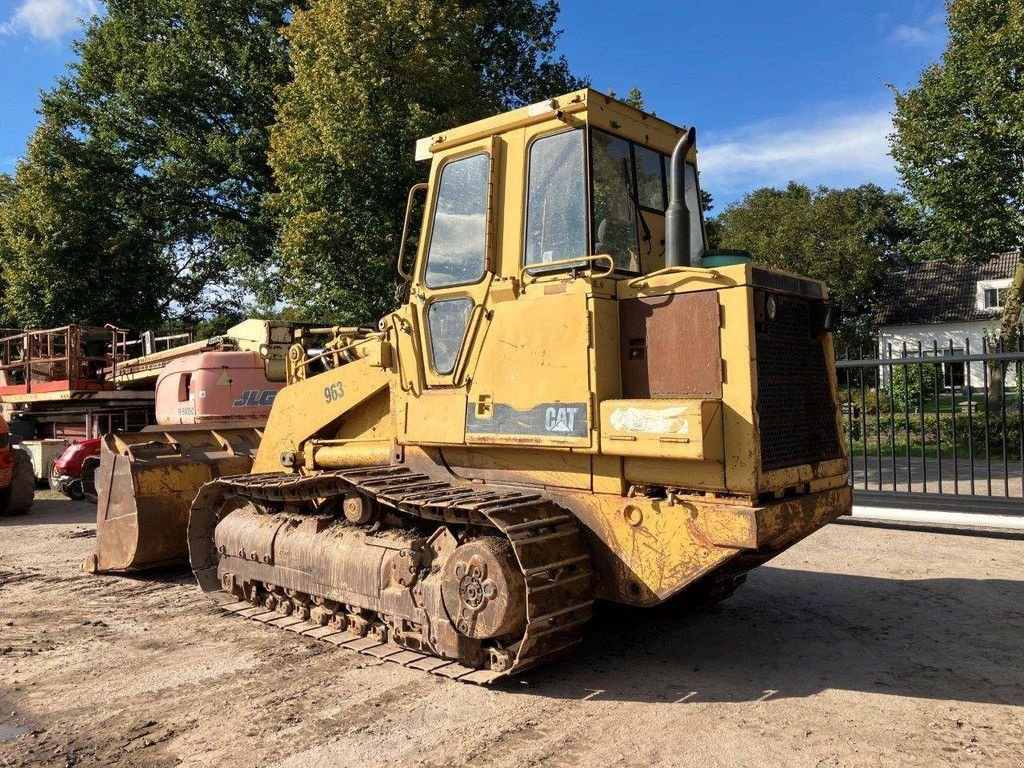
650	179
458	238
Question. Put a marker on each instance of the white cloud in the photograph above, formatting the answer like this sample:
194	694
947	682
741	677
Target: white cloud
931	33
836	150
906	33
49	19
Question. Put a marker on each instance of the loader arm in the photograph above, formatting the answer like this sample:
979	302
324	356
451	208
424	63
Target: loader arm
315	407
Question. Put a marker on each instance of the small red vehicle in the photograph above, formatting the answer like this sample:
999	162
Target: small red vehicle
67	471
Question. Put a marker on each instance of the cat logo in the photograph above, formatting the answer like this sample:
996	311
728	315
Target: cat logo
560	419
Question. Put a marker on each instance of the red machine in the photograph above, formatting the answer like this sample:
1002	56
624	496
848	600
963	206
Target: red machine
17	485
65	387
221	386
67	471
58	385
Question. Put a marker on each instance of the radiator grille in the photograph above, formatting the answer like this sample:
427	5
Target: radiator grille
796	414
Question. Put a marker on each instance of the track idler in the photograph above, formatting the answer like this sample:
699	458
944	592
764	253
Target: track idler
484	590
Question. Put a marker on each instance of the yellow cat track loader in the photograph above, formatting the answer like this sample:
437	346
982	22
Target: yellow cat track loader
576	403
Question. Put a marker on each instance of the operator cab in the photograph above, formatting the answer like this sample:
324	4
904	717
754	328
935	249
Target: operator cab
582	176
582	186
622	184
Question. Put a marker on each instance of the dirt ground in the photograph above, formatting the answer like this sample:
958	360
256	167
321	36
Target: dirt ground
859	647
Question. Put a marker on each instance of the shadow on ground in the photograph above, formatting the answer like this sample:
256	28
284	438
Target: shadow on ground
789	633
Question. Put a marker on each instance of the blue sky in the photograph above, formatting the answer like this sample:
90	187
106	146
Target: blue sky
788	89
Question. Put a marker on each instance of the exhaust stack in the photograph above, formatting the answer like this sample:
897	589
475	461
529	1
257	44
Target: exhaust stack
677	215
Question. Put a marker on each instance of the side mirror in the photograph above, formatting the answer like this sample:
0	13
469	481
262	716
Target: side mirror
421	187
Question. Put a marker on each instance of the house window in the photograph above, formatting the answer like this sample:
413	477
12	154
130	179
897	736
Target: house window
994	298
953	373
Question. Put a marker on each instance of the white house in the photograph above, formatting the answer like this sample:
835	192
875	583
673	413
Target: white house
936	308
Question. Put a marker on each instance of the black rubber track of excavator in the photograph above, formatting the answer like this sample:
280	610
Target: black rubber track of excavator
559	578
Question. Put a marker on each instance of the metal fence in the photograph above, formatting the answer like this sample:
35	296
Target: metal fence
941	421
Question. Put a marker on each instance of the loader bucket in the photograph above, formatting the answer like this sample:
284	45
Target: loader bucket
145	485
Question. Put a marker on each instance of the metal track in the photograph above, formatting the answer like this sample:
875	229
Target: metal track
548	544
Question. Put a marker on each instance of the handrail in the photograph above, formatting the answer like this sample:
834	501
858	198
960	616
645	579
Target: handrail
641	281
340	330
407	276
524	272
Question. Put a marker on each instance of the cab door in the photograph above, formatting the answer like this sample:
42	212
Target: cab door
450	285
458	255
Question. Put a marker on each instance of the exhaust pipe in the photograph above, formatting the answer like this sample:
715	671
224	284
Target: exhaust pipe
677	216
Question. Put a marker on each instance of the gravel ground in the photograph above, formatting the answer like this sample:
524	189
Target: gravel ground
858	647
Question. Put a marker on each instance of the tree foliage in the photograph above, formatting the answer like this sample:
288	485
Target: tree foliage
370	78
8	320
635	98
142	193
839	236
79	252
959	134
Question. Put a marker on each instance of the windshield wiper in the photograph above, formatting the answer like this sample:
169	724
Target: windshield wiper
635	200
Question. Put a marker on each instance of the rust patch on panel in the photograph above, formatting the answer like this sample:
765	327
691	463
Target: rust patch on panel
674	351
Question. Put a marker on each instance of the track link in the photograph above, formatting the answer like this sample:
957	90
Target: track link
548	544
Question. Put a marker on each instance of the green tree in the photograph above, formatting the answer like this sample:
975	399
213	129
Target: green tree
370	78
635	98
838	236
912	385
959	134
7	318
79	251
160	129
712	226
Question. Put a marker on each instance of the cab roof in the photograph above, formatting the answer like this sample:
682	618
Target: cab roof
577	101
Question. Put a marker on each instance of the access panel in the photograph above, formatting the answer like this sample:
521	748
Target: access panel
671	347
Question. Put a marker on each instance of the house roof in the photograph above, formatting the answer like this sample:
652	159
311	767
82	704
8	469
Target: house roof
939	291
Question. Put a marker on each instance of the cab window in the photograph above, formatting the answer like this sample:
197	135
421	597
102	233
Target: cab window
629	196
458	238
693	204
556	217
448	319
613	202
650	179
